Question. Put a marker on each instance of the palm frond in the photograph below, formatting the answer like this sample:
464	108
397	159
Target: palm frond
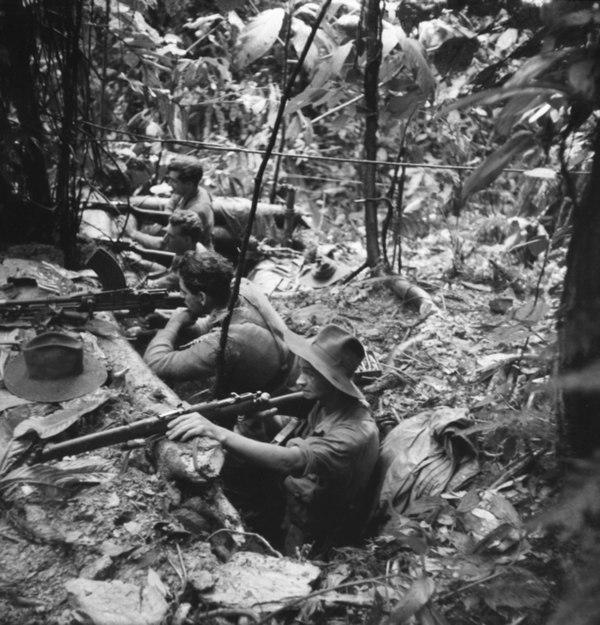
60	420
64	477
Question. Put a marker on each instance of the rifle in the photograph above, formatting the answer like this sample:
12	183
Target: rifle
161	257
217	409
141	301
116	207
224	209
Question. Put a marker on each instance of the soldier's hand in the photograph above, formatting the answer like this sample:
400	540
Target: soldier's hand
191	425
182	317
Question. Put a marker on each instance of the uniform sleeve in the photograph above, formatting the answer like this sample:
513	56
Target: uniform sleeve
172	203
196	361
169	281
202	206
149	241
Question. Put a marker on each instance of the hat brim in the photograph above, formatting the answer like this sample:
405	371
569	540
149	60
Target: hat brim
18	382
308	279
302	347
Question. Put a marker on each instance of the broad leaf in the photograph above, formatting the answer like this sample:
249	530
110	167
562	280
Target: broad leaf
515	109
493	165
11	450
339	57
48	477
535	66
531	312
259	36
414	57
403	106
58	421
490	97
300	34
390	37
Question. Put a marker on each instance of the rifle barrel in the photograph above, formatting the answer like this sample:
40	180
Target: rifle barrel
251	402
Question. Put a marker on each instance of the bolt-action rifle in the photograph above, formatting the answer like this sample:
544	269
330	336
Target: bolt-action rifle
236	405
136	301
224	208
151	213
162	257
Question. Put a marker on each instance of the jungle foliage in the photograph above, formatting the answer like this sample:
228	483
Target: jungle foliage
98	92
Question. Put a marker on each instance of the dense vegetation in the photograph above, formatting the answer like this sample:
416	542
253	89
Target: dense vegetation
406	116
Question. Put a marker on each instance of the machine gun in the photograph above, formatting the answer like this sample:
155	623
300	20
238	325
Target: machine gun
136	301
244	404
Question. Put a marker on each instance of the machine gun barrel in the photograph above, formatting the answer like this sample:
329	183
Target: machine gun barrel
143	301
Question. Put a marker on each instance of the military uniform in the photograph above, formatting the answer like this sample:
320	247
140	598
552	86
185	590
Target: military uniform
201	204
328	503
256	358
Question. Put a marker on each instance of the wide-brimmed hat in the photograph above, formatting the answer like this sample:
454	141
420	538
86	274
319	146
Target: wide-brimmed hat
53	366
323	273
334	353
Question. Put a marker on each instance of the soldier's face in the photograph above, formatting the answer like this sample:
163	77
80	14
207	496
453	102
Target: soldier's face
312	384
177	242
175	182
179	186
197	304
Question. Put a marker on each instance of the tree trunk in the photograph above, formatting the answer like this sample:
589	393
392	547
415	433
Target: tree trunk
66	170
19	38
579	325
372	30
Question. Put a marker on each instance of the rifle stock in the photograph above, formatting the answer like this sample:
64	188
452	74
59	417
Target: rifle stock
231	406
140	301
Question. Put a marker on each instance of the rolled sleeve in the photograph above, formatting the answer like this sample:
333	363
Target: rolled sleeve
304	446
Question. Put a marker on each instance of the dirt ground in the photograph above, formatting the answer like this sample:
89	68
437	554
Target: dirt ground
482	343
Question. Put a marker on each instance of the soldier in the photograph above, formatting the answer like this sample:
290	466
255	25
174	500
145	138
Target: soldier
256	357
184	174
183	234
326	467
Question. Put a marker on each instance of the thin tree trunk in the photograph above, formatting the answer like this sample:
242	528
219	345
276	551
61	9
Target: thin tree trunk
579	324
67	210
372	30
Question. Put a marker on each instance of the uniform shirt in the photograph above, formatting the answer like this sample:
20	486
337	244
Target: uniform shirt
328	503
201	204
256	360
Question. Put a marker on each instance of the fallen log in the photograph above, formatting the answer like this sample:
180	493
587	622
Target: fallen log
196	463
411	295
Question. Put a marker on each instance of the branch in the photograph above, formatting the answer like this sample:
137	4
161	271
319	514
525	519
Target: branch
256	195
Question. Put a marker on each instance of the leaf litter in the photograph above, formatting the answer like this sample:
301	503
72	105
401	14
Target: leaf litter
470	554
